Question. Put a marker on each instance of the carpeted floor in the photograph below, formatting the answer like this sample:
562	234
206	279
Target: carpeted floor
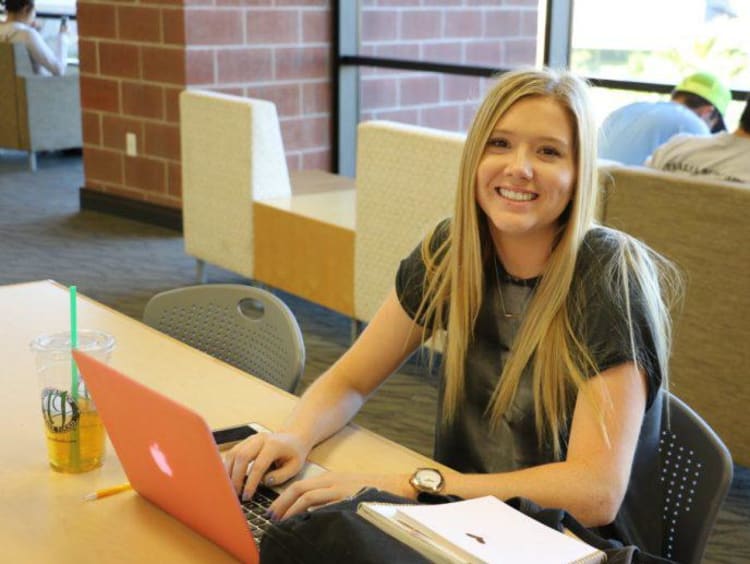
122	263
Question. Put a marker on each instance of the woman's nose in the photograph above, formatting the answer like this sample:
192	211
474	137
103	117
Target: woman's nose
520	165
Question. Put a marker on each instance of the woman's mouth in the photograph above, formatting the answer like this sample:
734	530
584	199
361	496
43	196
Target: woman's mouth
516	195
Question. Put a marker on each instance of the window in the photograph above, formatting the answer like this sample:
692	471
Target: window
451	31
56	7
641	48
424	64
427	62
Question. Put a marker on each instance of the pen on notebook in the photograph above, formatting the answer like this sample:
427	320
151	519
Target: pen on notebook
106	492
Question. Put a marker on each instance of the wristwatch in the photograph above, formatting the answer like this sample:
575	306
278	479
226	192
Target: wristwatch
428	480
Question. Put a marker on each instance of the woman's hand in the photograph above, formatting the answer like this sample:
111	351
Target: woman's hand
283	453
330	487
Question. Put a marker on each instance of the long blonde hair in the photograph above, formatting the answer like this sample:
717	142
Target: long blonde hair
546	341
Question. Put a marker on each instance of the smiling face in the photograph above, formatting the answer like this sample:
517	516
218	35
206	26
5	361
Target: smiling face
526	174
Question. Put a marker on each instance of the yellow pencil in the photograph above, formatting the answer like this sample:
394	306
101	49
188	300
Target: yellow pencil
106	492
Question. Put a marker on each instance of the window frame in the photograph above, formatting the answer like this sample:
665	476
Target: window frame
345	103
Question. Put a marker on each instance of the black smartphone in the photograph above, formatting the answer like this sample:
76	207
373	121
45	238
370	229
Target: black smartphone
230	436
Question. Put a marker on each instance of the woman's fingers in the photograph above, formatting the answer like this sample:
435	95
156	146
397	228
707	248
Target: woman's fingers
315	498
249	462
327	488
269	456
303	494
238	459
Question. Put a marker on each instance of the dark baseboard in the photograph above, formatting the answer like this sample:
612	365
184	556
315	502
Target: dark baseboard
146	212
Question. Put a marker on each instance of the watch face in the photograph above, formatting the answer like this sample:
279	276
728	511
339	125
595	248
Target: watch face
427	480
430	478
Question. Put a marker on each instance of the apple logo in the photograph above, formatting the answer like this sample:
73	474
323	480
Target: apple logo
160	459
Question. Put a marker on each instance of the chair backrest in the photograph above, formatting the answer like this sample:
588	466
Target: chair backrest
406	182
244	326
232	152
696	473
9	118
36	112
702	226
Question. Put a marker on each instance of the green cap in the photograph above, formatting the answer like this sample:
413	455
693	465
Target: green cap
707	86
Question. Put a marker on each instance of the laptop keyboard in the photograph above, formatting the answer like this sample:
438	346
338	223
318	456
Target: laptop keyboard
255	510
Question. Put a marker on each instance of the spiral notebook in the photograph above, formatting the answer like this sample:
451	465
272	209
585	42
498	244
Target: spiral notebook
480	530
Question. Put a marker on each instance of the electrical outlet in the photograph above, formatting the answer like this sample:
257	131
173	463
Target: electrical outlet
131	147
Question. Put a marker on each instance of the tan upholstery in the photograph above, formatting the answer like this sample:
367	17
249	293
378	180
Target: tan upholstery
37	113
232	154
704	227
406	182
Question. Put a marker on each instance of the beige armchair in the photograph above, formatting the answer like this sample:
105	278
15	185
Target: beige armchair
406	182
702	226
37	113
232	154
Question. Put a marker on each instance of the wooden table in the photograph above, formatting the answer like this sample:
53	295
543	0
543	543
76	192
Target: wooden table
43	517
304	244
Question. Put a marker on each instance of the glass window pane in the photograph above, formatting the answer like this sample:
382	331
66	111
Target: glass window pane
58	7
662	41
420	98
493	34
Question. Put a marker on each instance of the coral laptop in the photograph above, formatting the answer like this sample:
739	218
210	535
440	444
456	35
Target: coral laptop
170	457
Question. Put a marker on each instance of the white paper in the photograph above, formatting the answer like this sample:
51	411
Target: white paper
492	531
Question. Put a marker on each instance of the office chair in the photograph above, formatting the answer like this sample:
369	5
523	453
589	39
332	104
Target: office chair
244	326
696	472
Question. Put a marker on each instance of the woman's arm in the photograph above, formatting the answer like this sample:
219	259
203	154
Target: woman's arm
334	398
331	401
591	482
54	61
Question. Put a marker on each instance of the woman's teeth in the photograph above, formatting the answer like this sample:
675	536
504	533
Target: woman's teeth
517	196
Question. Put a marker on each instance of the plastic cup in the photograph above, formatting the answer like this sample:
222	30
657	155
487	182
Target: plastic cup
75	433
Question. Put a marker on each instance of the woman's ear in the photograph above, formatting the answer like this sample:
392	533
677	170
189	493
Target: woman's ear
27	13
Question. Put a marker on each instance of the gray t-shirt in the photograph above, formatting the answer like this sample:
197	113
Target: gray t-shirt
469	444
724	156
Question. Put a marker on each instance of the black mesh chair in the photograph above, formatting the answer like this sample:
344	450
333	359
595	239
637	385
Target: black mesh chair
244	326
696	472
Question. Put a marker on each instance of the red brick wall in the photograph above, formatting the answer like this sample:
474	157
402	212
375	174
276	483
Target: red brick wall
138	55
278	50
492	33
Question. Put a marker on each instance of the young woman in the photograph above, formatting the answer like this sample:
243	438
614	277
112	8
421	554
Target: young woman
556	331
19	27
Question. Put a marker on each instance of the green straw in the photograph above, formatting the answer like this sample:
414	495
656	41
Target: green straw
75	445
73	342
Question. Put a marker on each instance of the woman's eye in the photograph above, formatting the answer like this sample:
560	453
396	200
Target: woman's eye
498	142
550	152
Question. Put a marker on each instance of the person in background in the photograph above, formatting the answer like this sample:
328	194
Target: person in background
724	156
555	331
630	134
20	27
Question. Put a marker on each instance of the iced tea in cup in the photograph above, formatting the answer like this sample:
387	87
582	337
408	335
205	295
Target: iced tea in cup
75	434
